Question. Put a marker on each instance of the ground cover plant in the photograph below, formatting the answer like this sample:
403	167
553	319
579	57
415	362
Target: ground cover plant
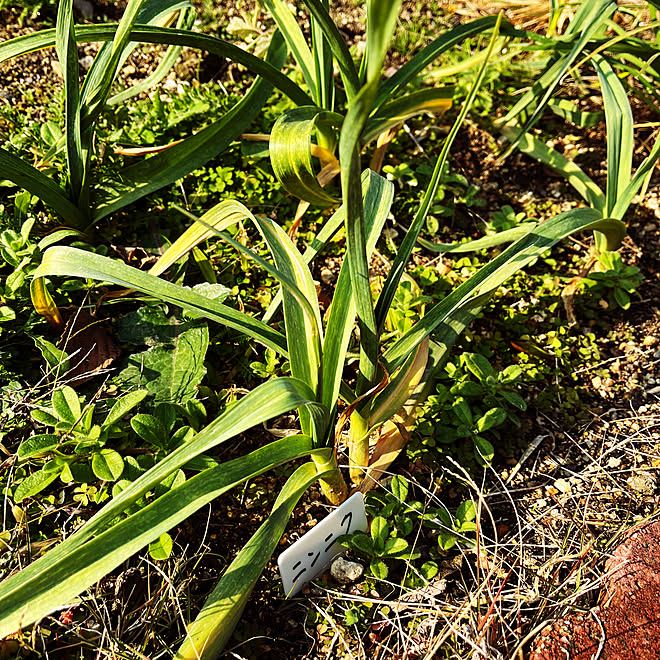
400	342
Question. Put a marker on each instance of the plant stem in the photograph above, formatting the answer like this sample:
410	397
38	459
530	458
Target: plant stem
333	485
358	451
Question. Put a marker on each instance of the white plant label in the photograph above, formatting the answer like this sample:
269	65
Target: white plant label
312	553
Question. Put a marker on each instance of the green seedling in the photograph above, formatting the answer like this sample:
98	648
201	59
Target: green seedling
615	280
504	219
385	541
471	401
75	449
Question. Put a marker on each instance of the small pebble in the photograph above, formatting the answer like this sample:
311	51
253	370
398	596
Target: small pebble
345	571
643	483
327	276
86	62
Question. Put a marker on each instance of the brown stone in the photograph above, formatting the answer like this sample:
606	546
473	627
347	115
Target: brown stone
626	624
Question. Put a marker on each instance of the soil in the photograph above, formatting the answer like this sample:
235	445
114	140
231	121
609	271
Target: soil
557	506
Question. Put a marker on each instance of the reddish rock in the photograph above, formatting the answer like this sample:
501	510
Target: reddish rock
626	624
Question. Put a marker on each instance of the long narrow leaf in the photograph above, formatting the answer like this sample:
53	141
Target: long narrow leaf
106	64
178	161
304	334
491	276
338	46
24	175
96	88
67	54
435	100
269	400
155	35
377	203
596	14
506	236
59	576
569	170
71	262
290	149
428	54
288	25
381	21
185	21
620	136
642	174
405	250
356	250
323	66
211	630
330	227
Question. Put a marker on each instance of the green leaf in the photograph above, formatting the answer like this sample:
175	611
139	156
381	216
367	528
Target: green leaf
429	570
590	20
337	45
483	450
514	399
101	75
161	548
569	110
510	375
446	541
66	404
185	21
380	529
156	35
399	487
290	149
67	54
404	251
378	195
462	304
94	550
378	569
124	405
461	408
434	100
491	418
381	21
38	445
361	542
213	626
55	357
430	53
506	236
395	546
620	136
478	365
150	430
466	511
107	465
170	372
43	416
356	236
622	298
7	314
288	25
34	484
573	174
149	175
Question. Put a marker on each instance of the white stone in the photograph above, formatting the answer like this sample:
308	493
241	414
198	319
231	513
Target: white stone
345	571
